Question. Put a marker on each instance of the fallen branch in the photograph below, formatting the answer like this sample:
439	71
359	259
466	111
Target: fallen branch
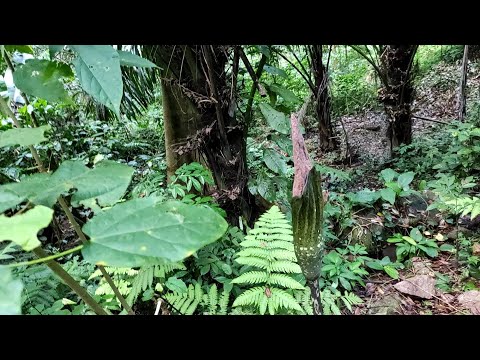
427	119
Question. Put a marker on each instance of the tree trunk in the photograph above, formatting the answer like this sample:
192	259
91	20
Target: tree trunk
462	99
179	121
397	95
197	97
328	141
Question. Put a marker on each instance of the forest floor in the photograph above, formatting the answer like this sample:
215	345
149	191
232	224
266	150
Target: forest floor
419	287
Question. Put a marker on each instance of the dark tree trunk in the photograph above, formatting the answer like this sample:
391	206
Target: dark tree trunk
328	141
397	95
198	102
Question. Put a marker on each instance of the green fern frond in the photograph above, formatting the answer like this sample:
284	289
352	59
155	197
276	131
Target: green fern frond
250	296
212	298
279	244
269	246
350	299
285	281
223	302
284	266
253	261
254	251
252	277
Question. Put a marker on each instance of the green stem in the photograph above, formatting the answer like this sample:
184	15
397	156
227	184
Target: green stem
47	258
71	282
83	238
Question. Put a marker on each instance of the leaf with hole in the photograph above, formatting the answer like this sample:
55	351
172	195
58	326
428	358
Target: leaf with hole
276	119
23	136
22	229
99	73
168	232
130	59
42	78
10	293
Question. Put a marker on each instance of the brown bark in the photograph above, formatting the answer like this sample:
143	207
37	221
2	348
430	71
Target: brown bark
398	93
197	95
328	141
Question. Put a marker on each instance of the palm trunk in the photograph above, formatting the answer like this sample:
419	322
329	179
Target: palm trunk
397	95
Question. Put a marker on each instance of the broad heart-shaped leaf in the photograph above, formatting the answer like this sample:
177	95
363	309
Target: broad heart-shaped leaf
276	119
106	183
405	179
22	229
388	174
10	293
98	69
388	194
144	228
286	94
23	136
41	78
130	59
53	49
275	161
274	71
20	48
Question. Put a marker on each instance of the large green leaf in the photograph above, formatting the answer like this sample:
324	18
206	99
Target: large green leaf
106	183
388	174
10	293
288	95
41	78
98	69
22	229
23	136
284	143
405	179
130	59
276	119
388	194
365	196
176	285
275	71
144	228
20	48
275	161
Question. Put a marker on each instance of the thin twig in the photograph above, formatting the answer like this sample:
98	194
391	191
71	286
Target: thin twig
427	119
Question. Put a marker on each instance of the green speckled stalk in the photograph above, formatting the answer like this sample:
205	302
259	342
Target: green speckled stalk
307	214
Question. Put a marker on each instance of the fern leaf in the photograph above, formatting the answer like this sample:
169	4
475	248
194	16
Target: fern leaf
284	280
198	292
255	251
252	277
284	266
212	298
223	302
282	254
253	261
250	296
282	298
